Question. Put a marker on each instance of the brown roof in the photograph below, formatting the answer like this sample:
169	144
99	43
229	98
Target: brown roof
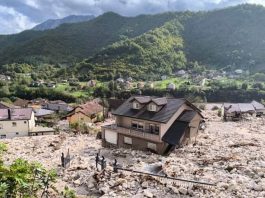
160	101
141	99
16	114
88	108
21	102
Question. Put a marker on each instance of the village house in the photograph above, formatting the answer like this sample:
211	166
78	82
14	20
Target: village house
89	112
20	122
57	105
151	123
236	111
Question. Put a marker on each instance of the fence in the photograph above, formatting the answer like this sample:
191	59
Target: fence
179	181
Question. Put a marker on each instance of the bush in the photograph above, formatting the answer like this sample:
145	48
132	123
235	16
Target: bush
202	106
215	108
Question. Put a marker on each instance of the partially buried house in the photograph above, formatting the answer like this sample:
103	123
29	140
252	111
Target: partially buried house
151	123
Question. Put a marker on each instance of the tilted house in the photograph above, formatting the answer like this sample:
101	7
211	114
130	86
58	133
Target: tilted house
151	123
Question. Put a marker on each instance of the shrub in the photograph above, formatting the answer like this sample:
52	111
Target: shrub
215	108
202	106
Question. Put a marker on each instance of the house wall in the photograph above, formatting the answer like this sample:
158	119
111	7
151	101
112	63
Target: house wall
7	128
126	122
78	117
137	143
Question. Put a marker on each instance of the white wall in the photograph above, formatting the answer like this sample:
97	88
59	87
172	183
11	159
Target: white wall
22	127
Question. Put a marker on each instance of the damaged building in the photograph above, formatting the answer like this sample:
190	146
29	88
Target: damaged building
237	111
151	123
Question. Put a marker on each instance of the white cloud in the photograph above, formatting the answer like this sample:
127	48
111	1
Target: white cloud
17	15
12	21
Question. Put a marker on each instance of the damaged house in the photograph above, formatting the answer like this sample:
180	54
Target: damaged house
236	111
151	123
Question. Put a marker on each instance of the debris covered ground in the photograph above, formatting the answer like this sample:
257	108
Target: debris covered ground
229	154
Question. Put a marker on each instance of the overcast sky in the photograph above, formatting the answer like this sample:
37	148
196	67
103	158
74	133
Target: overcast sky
18	15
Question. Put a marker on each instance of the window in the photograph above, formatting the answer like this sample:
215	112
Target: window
127	140
136	105
2	136
134	125
152	107
154	128
14	124
137	125
17	133
25	122
151	146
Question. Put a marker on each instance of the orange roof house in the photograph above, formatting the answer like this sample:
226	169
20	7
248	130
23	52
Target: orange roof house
85	113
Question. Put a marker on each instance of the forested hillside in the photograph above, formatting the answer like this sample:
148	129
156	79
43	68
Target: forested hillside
159	51
70	43
226	38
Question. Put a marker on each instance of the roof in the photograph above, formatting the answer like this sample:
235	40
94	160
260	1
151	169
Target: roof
164	115
21	102
115	103
5	105
187	115
141	99
175	132
43	112
257	105
239	107
88	108
57	102
246	107
160	101
231	107
16	114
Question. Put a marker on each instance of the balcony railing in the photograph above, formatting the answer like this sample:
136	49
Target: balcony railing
132	132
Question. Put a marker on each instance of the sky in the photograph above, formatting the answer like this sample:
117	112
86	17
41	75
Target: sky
19	15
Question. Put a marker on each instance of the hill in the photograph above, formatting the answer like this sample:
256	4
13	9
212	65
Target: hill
72	42
227	38
54	23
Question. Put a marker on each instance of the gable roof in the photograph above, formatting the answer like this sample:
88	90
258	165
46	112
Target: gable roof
16	114
163	116
175	132
187	115
141	99
21	102
88	109
160	101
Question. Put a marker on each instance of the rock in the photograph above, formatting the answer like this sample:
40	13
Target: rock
144	184
77	182
104	189
175	190
147	193
183	190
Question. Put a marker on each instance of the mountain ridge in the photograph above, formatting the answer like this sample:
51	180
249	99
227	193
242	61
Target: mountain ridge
54	23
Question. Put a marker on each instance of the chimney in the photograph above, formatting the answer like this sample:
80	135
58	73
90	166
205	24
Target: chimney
9	114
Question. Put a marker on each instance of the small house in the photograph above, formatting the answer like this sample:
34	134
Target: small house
151	123
89	112
20	122
57	105
259	108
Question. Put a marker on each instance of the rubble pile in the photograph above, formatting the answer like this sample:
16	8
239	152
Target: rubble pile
228	154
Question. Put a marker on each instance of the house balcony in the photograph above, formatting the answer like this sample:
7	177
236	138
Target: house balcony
133	132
